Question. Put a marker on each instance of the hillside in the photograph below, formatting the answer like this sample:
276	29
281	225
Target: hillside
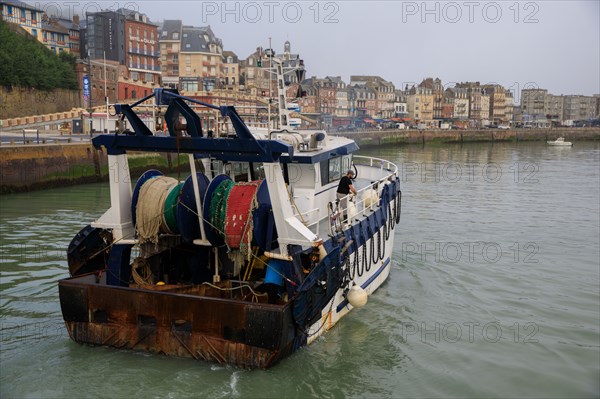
27	63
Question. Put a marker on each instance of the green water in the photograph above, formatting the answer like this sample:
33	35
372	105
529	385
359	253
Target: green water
494	292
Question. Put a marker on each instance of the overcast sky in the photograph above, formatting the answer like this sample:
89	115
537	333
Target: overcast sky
548	44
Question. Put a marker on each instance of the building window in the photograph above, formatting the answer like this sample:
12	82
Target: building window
189	86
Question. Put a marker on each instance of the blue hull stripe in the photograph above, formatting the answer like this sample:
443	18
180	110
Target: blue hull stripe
365	284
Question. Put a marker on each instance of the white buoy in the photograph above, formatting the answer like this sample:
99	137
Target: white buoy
357	297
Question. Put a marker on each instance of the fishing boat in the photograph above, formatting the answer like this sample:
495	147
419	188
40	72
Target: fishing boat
244	260
560	142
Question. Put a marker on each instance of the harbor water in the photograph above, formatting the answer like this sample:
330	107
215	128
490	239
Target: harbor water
494	292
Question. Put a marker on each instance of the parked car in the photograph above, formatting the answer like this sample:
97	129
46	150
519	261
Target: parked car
504	127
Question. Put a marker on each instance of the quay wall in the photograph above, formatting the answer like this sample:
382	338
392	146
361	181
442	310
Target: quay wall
39	166
366	138
33	167
21	102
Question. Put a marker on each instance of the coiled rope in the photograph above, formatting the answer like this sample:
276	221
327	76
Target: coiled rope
218	205
150	209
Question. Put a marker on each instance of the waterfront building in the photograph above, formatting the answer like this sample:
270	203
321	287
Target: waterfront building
200	60
126	42
291	60
538	104
361	95
460	111
435	85
254	77
105	36
25	15
420	104
104	77
486	110
474	91
447	106
384	90
73	27
326	102
509	106
554	107
142	74
497	103
191	57
342	102
533	103
578	107
170	41
55	36
400	105
308	102
231	75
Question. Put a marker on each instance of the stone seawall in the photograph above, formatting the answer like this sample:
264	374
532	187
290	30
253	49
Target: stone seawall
32	167
22	102
394	136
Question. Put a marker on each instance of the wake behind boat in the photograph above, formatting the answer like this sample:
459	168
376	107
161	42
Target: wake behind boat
244	261
560	142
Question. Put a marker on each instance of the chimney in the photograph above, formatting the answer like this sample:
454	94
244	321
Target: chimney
76	19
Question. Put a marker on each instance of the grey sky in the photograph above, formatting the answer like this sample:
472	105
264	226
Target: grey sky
548	44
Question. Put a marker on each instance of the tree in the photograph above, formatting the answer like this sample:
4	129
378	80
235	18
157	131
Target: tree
25	62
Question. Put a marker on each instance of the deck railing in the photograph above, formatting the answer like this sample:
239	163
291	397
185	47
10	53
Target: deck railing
340	216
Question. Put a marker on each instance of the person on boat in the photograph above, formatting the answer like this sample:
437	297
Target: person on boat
344	188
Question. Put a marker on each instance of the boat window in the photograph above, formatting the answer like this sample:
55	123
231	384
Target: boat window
335	169
346	163
216	167
239	171
257	171
324	166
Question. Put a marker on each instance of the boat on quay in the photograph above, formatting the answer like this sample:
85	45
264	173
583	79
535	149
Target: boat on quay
244	261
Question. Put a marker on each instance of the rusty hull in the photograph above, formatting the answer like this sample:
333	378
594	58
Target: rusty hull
238	333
